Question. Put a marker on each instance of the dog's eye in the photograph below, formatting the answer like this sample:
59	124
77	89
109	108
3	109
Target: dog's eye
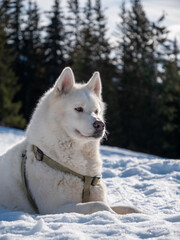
79	109
96	112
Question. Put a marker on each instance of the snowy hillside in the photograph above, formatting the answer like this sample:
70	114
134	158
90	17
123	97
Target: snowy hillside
134	179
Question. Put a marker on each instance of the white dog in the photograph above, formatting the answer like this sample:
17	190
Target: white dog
57	168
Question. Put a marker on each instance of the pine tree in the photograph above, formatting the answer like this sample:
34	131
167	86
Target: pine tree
169	110
83	54
15	21
138	87
32	72
4	13
54	47
102	62
15	8
73	27
93	48
9	110
101	46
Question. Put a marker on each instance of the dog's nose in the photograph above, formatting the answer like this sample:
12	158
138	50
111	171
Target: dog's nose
98	125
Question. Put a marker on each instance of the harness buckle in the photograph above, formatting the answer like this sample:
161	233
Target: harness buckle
39	155
95	180
23	154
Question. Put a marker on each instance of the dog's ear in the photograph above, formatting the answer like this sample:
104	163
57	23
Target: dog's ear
65	81
94	84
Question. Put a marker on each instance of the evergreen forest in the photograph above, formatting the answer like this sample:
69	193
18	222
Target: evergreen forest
139	69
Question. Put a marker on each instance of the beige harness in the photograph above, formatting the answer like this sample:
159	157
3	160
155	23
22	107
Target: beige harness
40	156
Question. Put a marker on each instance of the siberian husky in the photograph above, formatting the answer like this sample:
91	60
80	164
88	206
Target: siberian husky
66	129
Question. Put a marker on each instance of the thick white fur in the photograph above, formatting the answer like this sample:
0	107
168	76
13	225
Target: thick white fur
63	134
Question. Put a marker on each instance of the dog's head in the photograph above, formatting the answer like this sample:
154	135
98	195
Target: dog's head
78	108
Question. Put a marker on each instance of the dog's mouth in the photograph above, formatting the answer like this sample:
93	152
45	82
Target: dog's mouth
96	134
80	134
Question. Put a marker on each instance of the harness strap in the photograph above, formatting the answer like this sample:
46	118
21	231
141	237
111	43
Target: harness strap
86	190
88	181
25	183
40	156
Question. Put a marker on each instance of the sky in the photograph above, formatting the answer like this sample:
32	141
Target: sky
153	8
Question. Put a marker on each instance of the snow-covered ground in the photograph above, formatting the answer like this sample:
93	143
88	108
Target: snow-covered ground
149	183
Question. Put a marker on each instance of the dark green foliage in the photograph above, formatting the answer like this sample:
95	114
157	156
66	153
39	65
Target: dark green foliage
138	86
32	76
12	13
54	48
82	56
169	110
103	63
73	26
14	10
9	109
140	77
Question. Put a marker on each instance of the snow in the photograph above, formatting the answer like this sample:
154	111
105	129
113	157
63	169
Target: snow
135	179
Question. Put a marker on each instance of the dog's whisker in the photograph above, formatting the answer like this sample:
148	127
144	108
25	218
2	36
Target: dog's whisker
106	135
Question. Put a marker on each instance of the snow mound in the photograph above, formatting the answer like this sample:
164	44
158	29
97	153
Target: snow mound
135	179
